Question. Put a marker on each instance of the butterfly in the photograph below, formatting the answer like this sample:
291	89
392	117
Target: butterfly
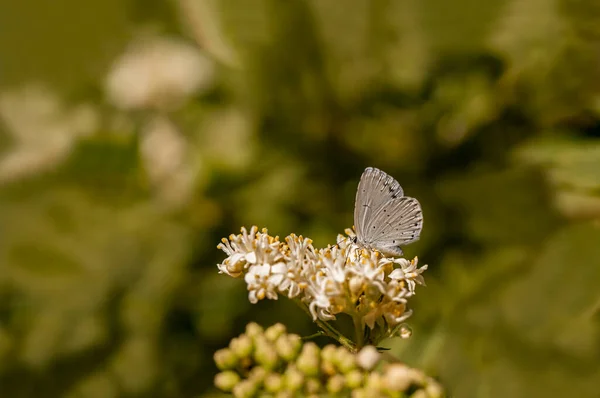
385	219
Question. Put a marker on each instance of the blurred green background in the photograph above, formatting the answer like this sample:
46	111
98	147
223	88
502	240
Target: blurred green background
134	135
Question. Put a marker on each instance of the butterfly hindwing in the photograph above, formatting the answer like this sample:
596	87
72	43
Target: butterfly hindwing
399	222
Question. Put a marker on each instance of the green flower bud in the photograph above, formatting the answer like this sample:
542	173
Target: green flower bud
434	390
345	360
273	382
226	380
242	346
253	329
274	331
288	346
368	357
361	393
293	378
257	375
397	377
374	382
336	384
245	389
265	353
354	379
312	386
328	359
419	394
308	361
225	359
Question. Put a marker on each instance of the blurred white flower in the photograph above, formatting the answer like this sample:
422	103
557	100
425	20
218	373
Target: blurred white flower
164	152
43	129
158	73
368	357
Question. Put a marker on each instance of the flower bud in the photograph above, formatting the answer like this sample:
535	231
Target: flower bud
253	329
336	384
257	375
345	360
397	377
274	331
419	394
360	393
288	346
312	386
374	382
293	378
245	389
308	361
434	390
225	359
354	379
405	332
273	382
328	358
265	354
226	380
241	346
368	357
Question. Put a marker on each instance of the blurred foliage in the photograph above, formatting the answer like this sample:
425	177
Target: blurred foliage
134	135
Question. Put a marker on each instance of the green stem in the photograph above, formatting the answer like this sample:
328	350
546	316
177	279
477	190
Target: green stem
315	335
330	330
359	332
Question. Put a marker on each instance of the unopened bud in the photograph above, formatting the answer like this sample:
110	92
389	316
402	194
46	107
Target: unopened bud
288	346
308	361
328	358
242	346
354	379
265	353
226	380
336	384
257	374
273	382
253	329
397	377
293	378
374	382
274	331
434	390
225	359
312	386
368	357
245	389
345	360
361	393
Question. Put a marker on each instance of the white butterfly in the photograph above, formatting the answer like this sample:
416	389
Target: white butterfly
384	218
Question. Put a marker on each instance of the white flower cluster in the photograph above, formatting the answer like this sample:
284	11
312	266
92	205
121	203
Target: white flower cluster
344	278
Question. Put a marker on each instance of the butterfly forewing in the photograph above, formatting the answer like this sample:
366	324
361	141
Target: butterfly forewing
374	190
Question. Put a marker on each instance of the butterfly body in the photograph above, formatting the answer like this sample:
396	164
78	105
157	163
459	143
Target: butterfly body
384	218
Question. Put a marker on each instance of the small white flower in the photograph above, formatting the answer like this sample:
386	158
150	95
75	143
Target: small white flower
263	281
409	273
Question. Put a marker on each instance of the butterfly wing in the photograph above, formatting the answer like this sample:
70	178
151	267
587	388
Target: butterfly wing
397	223
374	190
